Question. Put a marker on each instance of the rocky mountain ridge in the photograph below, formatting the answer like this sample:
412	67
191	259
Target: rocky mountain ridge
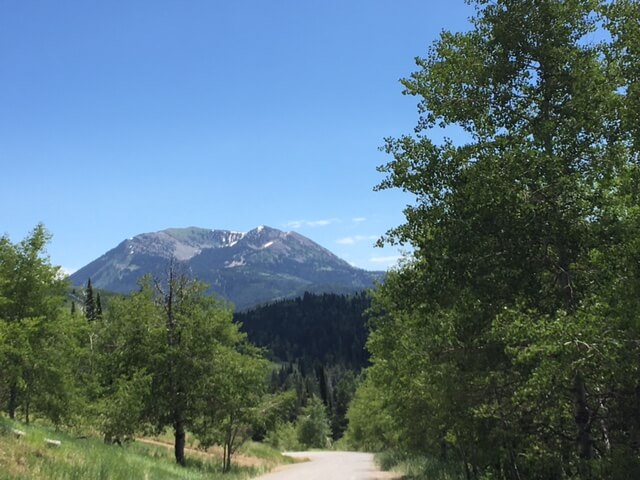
249	268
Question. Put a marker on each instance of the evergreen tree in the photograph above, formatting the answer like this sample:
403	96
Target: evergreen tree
98	306
89	302
314	329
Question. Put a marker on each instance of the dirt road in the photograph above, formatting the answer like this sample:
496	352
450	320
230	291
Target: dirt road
330	466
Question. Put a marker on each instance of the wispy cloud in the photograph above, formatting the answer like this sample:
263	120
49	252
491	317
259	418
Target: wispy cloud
356	239
358	219
296	224
320	223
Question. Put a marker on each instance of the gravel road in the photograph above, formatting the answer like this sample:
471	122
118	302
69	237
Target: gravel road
330	466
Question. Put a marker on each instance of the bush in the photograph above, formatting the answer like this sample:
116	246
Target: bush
416	467
313	426
283	437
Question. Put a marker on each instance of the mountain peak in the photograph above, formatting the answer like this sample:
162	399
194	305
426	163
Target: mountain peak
260	265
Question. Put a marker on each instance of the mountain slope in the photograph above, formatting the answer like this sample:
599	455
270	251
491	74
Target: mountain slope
311	330
250	268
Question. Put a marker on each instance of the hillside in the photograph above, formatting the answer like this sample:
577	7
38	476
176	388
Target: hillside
325	329
29	455
259	266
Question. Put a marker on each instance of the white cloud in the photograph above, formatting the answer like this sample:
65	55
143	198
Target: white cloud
296	224
320	223
358	219
356	239
346	241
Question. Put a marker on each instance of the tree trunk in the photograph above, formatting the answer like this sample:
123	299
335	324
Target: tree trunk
444	450
635	437
467	471
174	383
582	418
228	445
180	440
581	407
513	464
12	405
226	460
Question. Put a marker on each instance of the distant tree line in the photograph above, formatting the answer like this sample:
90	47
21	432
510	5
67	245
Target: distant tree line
327	329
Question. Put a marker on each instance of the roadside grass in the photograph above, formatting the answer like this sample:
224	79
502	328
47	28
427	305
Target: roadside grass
29	457
267	454
167	437
414	467
248	454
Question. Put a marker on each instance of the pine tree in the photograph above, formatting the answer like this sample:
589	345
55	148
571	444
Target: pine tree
89	304
98	306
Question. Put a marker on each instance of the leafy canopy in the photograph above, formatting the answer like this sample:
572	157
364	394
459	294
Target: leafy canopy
502	341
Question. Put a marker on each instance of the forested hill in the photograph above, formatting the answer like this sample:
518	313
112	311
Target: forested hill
313	329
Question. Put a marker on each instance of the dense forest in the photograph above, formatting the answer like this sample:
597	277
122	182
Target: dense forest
508	345
326	329
319	341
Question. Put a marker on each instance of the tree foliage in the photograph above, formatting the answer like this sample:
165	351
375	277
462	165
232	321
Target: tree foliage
313	426
40	343
174	355
509	341
166	356
232	400
90	306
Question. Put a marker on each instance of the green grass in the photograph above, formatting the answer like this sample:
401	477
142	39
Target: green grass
414	467
264	452
29	457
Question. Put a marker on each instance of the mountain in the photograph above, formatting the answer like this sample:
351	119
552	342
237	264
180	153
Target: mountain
259	266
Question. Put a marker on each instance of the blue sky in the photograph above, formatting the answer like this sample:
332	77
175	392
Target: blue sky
124	117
